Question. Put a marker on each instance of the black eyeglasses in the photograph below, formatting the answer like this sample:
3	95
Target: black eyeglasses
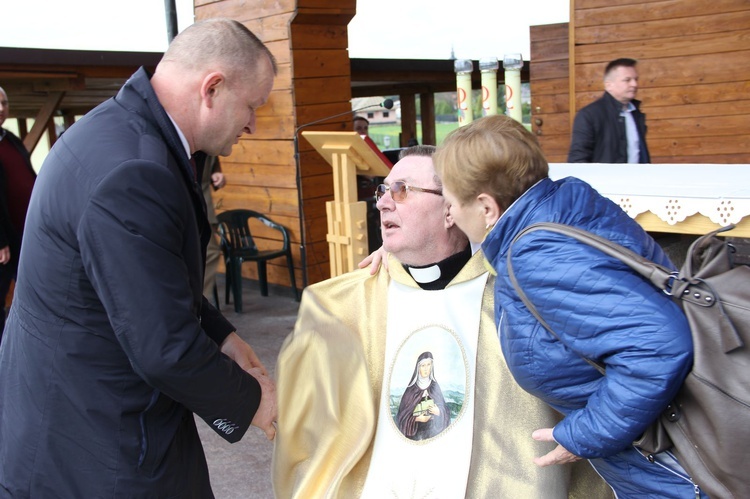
399	190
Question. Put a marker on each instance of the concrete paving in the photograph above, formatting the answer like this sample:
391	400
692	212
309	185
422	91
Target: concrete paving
243	470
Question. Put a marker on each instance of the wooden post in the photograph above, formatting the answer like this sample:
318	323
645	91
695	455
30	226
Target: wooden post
427	110
408	118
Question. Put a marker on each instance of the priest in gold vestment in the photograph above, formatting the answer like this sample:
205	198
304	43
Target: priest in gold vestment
345	370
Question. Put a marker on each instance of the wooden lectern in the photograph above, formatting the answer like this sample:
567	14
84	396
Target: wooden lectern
348	155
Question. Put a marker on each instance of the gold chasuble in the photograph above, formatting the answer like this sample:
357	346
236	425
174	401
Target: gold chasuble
361	393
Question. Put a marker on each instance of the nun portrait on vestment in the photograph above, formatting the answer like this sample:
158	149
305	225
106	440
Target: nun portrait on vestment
423	413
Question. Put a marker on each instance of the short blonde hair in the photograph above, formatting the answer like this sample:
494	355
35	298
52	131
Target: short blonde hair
494	155
219	42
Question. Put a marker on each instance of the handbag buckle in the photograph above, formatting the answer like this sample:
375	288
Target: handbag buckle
673	276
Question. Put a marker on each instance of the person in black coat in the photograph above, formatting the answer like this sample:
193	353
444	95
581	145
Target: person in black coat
110	347
17	178
612	129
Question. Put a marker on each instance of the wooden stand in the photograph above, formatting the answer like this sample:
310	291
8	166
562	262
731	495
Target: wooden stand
348	155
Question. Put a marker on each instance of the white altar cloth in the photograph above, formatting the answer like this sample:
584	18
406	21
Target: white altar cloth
674	193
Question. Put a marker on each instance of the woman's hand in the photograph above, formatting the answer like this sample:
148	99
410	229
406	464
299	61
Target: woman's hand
377	257
558	455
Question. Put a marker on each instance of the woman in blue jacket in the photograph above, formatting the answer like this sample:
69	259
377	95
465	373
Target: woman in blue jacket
496	178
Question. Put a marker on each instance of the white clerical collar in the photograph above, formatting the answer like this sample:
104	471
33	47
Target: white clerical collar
183	139
438	275
426	274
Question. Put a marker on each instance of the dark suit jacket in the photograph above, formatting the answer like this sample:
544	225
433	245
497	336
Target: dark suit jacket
110	347
599	133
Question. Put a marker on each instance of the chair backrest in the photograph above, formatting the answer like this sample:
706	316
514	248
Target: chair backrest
235	231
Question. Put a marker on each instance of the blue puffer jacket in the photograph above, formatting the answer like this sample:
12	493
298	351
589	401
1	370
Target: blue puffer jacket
601	310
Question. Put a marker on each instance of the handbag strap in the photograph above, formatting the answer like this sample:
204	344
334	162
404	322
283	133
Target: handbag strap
661	277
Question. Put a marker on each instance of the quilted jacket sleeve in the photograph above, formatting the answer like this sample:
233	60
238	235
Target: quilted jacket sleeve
603	311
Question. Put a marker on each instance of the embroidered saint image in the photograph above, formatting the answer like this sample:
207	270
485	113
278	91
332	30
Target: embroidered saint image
423	413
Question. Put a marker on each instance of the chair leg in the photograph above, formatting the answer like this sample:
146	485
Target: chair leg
216	296
237	284
227	283
290	265
263	277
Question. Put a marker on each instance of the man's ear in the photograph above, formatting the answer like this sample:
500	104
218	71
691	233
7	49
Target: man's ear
212	84
490	210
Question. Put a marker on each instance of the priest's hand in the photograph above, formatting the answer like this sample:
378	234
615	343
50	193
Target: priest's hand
265	416
243	354
558	455
377	257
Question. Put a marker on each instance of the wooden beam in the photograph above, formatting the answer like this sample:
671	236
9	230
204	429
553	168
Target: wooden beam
23	128
42	118
408	118
427	110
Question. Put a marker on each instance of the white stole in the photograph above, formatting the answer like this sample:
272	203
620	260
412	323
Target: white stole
446	324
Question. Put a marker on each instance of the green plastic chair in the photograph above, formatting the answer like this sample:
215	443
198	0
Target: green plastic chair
238	246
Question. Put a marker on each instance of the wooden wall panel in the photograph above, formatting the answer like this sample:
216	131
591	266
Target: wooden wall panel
719	148
274	28
628	11
550	106
665	47
591	4
320	63
688	94
243	11
694	73
315	36
661	28
674	71
260	152
322	87
310	90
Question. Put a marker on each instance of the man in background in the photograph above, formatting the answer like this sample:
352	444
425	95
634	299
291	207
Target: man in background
110	348
612	129
361	125
16	182
212	179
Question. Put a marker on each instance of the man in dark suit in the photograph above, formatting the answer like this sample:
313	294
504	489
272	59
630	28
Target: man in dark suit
612	129
16	182
110	347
